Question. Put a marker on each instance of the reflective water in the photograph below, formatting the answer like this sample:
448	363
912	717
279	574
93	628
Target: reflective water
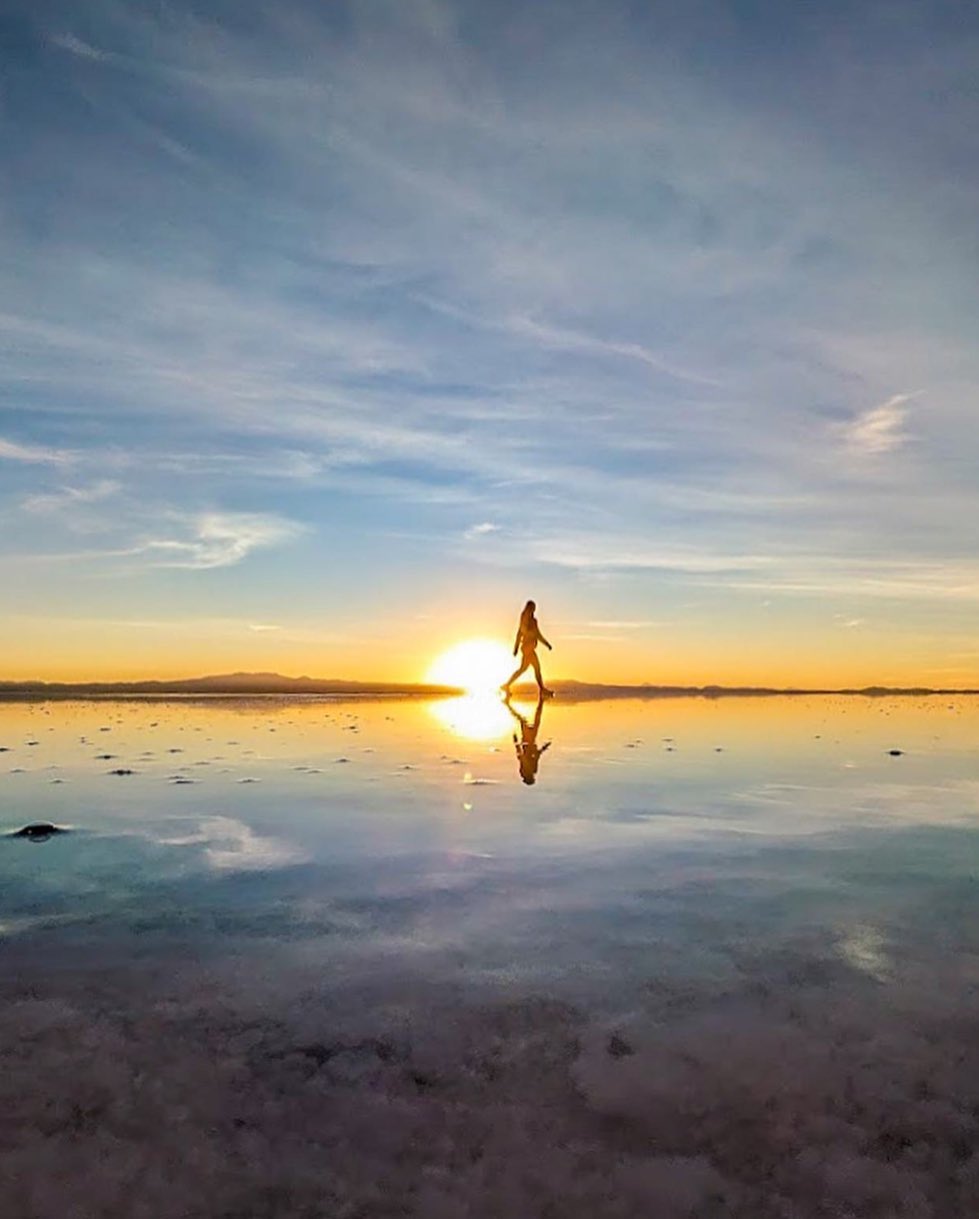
588	848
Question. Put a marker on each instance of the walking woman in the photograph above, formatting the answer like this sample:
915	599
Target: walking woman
528	636
529	753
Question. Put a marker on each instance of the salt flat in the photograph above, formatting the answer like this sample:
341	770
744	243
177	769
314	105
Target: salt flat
297	957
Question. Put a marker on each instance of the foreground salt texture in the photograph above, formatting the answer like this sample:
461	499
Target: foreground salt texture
160	1090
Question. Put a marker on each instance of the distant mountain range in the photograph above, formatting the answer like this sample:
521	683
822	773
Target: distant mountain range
277	684
225	683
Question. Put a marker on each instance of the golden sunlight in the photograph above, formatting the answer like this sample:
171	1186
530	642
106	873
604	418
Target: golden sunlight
478	666
474	717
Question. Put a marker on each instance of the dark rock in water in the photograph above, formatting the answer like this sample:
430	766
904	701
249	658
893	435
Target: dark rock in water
896	753
38	831
122	770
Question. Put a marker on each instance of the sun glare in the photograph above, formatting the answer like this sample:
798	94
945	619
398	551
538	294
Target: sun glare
478	666
474	717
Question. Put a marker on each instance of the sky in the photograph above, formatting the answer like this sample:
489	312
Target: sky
332	332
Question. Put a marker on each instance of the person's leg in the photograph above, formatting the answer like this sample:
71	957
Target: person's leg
514	675
540	681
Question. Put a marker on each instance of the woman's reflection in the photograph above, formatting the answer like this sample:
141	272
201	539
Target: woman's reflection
528	752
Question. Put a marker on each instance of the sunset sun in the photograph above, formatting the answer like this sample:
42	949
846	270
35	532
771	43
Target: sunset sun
478	666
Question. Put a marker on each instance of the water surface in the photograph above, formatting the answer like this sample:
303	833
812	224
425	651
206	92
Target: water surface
655	834
682	957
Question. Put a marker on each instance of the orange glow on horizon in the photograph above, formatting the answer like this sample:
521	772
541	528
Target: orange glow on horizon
92	651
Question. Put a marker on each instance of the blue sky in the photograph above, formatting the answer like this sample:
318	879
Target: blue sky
329	331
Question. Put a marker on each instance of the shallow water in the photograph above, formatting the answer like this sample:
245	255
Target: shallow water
658	835
720	957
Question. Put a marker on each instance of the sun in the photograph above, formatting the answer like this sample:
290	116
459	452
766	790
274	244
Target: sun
478	666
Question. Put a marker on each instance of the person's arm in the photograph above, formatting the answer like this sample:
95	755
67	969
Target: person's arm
540	636
516	642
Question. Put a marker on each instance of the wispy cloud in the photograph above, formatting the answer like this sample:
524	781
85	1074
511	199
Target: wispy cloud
33	454
195	542
565	339
880	429
70	498
220	539
626	626
77	46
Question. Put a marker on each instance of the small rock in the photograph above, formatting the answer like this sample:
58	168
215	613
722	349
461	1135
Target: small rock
122	770
896	753
38	831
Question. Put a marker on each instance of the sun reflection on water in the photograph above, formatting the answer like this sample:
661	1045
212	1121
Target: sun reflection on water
475	717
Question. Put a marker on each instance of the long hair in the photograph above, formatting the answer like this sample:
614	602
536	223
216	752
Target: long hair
527	613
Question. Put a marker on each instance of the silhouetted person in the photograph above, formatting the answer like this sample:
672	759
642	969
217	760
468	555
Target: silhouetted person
528	636
528	755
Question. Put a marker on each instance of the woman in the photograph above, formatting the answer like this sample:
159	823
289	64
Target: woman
528	751
528	636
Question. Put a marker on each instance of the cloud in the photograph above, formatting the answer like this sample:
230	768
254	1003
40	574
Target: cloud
11	450
594	552
921	578
481	530
880	429
616	625
69	498
220	539
196	541
232	846
574	340
76	46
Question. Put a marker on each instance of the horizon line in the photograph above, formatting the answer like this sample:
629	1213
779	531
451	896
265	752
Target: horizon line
246	684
